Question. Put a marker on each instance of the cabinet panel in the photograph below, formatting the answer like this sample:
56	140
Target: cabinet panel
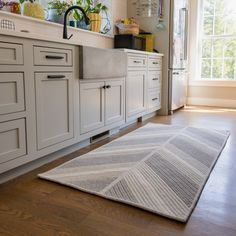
135	92
154	99
11	93
91	106
114	102
11	54
12	140
137	61
154	79
44	56
154	63
54	108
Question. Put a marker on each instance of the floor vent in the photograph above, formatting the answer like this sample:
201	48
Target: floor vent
99	137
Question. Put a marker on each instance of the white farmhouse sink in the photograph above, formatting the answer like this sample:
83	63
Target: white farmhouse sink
96	63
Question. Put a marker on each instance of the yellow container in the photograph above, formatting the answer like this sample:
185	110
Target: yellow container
149	39
95	22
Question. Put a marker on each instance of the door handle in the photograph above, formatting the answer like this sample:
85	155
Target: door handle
155	79
56	76
154	99
54	57
108	86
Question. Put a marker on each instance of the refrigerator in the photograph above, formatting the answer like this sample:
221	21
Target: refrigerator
178	55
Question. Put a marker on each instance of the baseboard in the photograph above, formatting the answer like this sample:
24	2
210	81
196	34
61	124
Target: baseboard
225	103
14	173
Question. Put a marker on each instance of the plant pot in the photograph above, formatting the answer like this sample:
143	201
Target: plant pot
95	22
82	25
34	10
54	17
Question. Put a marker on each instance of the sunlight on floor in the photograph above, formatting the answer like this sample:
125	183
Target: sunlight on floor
207	109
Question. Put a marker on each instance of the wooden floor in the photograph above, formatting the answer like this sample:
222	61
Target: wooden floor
31	206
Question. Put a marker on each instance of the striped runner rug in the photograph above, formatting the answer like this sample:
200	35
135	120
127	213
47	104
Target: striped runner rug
159	168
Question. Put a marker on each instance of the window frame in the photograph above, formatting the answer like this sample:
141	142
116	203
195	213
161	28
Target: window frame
197	80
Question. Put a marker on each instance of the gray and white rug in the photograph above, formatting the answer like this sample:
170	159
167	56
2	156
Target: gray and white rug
159	168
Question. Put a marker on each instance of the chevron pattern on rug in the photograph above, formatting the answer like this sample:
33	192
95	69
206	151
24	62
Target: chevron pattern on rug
159	168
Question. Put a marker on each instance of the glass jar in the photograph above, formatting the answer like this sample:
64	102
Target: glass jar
15	7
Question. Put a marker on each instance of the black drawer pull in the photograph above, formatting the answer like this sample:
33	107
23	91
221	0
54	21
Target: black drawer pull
154	99
56	76
155	79
138	62
155	63
108	86
54	57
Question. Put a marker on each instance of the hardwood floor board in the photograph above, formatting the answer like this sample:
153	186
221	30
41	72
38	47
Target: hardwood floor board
31	206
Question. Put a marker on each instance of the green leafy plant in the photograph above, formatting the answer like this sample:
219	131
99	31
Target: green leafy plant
61	7
89	6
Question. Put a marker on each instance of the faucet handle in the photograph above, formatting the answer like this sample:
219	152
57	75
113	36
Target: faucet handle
70	36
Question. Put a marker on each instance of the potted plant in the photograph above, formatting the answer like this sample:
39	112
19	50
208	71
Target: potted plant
56	10
33	9
93	11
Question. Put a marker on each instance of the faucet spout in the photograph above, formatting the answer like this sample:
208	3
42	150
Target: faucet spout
87	21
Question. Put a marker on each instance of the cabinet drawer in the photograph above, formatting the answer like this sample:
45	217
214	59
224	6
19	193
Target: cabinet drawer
154	79
44	56
154	63
11	54
11	93
12	140
154	99
134	61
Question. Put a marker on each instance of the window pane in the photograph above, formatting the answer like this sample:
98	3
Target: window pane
230	27
208	25
208	7
219	25
230	49
229	67
218	48
206	68
218	39
217	69
206	48
220	7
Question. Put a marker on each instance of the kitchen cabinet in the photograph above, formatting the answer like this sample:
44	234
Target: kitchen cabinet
114	102
101	104
143	84
12	93
12	140
11	53
135	93
54	108
91	106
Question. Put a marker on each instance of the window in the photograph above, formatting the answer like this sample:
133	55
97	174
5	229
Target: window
218	40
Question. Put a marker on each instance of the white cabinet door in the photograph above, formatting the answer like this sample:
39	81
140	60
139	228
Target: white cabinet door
54	108
114	102
12	93
91	106
135	93
12	140
11	54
